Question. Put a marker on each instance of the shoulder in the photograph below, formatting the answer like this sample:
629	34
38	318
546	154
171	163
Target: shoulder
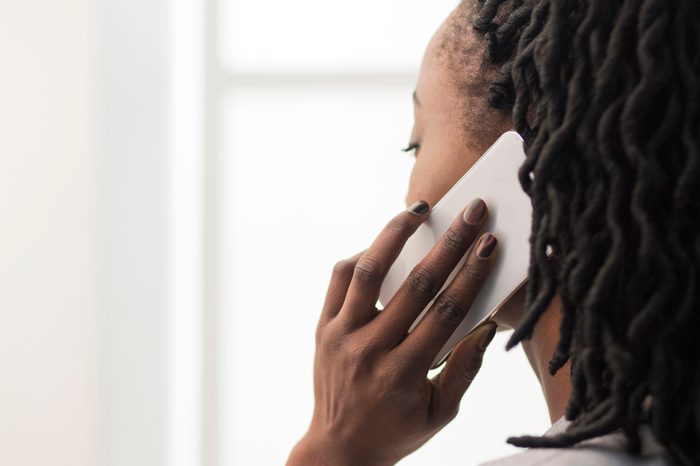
577	457
607	450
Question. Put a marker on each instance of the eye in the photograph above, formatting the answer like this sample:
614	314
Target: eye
412	147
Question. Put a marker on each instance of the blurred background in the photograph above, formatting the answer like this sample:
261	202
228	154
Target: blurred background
177	179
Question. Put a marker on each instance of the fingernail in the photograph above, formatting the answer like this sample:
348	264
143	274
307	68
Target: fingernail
487	335
475	211
419	208
486	245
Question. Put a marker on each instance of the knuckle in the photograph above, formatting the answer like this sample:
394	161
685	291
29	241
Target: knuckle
421	285
453	240
474	273
386	374
368	270
319	334
331	337
342	267
470	370
402	365
359	354
448	310
325	342
398	224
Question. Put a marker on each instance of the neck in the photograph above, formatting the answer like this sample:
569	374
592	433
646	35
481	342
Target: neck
539	350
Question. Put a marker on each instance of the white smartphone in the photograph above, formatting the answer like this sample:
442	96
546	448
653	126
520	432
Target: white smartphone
493	178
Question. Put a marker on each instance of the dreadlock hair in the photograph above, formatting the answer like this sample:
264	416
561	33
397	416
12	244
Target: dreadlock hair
606	96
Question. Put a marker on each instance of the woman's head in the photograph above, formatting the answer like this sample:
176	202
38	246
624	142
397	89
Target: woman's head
605	95
453	121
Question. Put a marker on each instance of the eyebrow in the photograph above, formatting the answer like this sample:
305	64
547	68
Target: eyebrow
415	98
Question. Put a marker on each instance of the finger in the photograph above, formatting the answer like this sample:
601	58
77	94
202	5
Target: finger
451	306
338	287
462	366
373	265
428	277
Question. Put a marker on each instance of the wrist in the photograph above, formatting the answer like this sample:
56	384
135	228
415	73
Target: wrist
308	452
312	451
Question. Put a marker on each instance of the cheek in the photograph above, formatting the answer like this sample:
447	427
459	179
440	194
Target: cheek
433	176
422	184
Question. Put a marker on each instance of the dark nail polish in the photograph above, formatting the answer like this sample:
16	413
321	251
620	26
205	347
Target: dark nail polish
487	337
419	208
486	246
475	212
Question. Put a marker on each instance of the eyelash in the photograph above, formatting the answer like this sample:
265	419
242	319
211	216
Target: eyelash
413	147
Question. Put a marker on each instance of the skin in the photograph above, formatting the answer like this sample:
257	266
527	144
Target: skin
449	144
373	401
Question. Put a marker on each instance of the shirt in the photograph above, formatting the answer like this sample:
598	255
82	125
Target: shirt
606	450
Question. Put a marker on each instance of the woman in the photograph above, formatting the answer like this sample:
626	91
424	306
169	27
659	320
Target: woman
605	95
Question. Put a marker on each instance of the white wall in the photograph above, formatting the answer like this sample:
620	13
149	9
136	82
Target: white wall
48	346
133	123
84	232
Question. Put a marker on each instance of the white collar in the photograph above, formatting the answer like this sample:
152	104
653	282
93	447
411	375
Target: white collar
649	444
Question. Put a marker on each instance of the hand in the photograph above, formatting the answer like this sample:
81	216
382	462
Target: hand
374	403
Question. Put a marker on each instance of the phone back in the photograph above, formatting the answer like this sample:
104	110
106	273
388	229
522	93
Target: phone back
494	178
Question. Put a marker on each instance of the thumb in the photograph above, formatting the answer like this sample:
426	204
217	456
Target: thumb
463	364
